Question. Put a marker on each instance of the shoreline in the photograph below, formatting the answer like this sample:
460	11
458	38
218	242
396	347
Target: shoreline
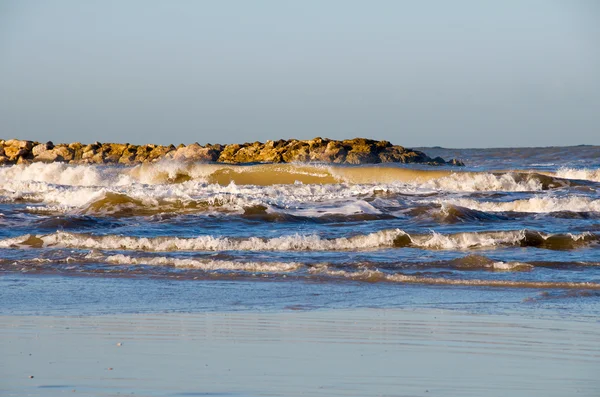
321	150
366	352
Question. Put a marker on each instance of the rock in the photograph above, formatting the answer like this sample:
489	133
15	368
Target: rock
159	152
42	147
113	151
93	147
297	152
336	152
127	159
361	157
228	153
64	151
77	150
90	153
23	160
14	152
320	150
21	144
97	158
48	156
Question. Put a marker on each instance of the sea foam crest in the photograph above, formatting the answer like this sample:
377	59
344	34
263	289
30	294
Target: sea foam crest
206	265
382	239
484	181
533	205
587	174
172	172
65	174
206	243
462	241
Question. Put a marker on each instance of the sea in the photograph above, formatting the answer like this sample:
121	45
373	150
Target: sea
516	229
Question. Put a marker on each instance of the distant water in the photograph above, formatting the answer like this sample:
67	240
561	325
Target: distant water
522	221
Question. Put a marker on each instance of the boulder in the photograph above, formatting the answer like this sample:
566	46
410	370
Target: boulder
42	147
14	152
48	156
228	153
21	144
64	151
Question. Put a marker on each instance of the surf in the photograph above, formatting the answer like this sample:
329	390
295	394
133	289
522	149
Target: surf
387	238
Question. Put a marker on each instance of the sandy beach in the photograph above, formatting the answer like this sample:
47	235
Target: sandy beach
362	352
300	198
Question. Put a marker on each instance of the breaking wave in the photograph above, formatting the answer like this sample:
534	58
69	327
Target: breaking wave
579	173
532	205
206	265
390	238
275	174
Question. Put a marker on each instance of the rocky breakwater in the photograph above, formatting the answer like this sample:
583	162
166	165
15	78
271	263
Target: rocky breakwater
318	150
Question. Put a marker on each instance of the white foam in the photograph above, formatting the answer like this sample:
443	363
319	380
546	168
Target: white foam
511	266
305	199
167	171
463	241
337	207
296	242
535	204
474	182
587	174
65	174
15	241
57	187
206	265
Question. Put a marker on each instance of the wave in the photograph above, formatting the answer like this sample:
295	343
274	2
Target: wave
547	295
74	222
206	265
120	205
450	214
378	276
169	172
205	243
337	193
477	262
134	201
225	262
586	174
334	202
471	262
545	204
497	181
389	238
267	207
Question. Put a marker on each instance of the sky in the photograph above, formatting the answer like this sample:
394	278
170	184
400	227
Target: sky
416	73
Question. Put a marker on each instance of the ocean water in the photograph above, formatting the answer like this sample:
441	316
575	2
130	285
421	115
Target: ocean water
514	227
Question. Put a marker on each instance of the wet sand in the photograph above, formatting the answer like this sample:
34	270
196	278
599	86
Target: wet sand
359	352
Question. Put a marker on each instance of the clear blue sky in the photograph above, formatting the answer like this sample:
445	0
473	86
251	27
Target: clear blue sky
418	73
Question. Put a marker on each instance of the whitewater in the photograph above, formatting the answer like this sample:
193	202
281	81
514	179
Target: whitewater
520	219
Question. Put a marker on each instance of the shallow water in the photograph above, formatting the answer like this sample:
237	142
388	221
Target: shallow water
297	353
522	221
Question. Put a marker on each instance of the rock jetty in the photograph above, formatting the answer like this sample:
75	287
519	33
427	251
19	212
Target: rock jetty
318	150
